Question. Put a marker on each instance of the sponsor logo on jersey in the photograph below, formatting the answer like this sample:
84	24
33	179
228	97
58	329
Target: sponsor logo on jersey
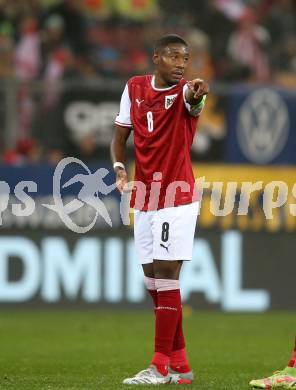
165	247
139	102
169	100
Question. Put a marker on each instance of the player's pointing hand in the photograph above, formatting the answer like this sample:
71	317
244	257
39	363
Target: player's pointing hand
198	87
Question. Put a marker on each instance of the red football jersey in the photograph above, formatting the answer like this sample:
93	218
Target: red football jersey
164	125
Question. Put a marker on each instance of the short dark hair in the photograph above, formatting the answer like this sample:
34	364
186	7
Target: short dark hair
167	40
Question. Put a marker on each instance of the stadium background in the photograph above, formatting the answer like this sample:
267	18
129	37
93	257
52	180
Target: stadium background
63	65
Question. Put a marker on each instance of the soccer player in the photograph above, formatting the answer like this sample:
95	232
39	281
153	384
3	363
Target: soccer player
284	379
162	110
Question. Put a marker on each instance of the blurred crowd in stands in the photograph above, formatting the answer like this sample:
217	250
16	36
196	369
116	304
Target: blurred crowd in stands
250	41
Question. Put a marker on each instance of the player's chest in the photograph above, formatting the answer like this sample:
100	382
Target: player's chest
145	98
157	103
152	116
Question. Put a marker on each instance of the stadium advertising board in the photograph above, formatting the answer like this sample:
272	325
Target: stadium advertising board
247	198
240	197
258	123
28	195
243	252
229	271
240	125
260	126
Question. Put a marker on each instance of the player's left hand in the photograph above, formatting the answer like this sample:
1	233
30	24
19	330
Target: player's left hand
198	87
121	180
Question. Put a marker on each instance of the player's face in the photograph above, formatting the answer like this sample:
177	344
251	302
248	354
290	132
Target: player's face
170	64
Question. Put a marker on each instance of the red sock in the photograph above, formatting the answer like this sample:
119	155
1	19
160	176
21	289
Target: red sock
179	341
292	362
167	315
178	361
178	357
151	288
153	294
159	360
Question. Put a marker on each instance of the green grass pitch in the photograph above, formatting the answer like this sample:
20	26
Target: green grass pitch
92	350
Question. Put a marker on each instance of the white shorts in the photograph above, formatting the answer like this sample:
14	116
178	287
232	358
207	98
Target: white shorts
165	234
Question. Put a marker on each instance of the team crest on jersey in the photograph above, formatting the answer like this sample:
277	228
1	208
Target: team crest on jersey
169	100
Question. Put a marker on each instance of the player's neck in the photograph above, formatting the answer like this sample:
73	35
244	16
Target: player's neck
160	83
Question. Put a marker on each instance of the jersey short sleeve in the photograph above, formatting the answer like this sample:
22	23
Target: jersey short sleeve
124	116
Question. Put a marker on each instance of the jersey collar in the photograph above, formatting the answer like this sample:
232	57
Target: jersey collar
160	89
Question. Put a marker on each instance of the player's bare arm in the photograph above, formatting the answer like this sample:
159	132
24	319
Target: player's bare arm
118	154
196	90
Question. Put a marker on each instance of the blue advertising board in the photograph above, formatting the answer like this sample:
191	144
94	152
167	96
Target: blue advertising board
261	126
48	197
